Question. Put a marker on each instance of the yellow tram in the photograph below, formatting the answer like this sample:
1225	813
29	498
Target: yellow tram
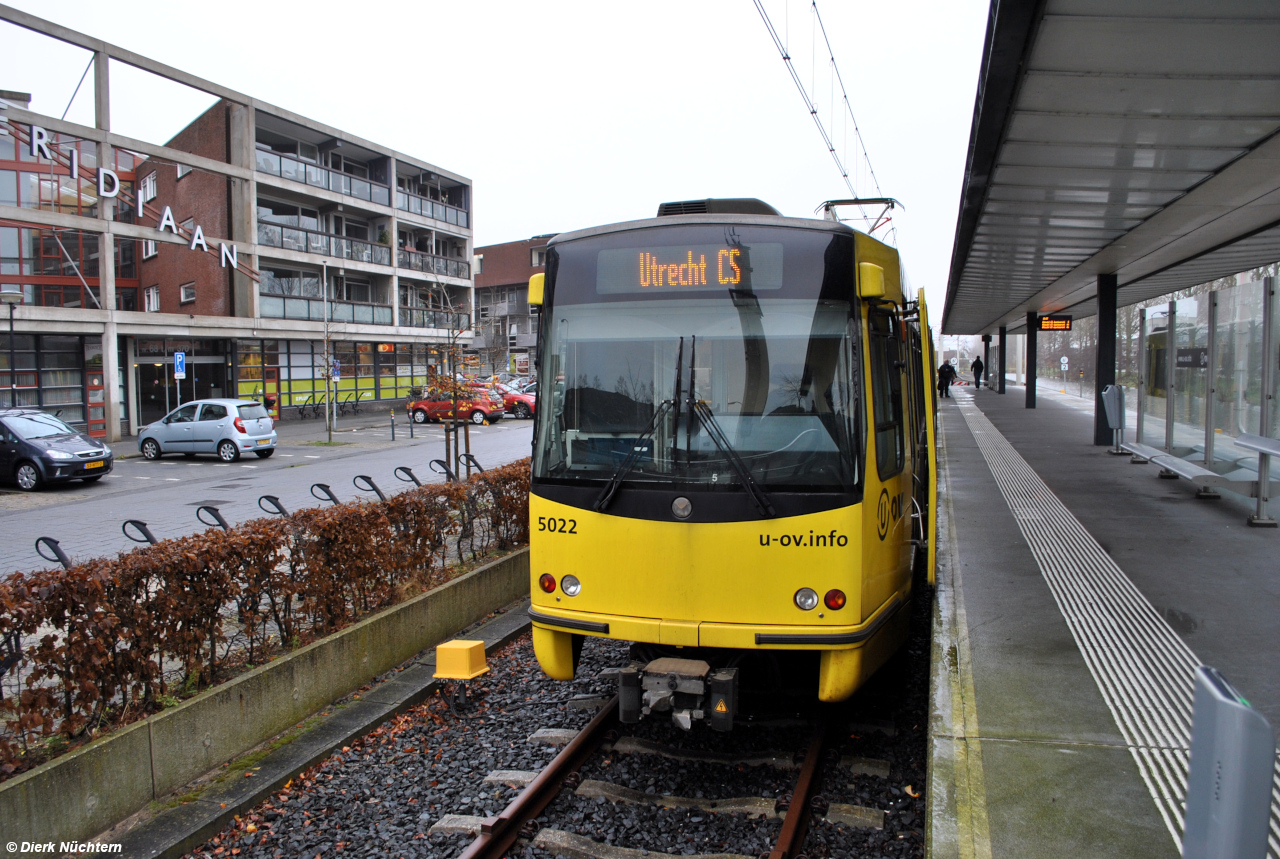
734	454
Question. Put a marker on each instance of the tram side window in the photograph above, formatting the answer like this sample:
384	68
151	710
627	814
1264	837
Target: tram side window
886	394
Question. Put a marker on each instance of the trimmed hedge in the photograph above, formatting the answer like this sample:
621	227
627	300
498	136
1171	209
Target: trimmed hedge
101	638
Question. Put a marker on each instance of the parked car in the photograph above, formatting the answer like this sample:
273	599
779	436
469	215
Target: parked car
476	404
37	448
530	387
517	403
227	428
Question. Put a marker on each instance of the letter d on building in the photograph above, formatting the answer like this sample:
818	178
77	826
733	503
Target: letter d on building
108	183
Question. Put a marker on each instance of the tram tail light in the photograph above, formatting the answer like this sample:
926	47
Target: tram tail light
834	599
547	582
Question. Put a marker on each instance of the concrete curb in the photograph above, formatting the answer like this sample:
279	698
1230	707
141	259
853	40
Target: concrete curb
956	807
86	791
179	830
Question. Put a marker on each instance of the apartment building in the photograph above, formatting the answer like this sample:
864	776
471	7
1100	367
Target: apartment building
506	327
264	246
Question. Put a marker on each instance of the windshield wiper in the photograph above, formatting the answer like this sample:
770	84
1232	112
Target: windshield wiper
637	448
633	456
703	411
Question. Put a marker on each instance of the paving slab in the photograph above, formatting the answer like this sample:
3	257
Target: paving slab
1027	760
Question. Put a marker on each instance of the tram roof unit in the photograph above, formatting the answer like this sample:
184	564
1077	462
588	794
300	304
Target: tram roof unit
720	218
1123	137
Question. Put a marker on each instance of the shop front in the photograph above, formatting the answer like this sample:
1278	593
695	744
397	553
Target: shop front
207	365
59	373
287	374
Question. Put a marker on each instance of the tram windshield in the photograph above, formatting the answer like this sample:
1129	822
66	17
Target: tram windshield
703	350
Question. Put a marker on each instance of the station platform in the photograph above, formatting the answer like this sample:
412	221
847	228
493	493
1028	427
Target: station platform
1077	592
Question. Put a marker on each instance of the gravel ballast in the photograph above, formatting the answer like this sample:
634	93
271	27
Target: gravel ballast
381	795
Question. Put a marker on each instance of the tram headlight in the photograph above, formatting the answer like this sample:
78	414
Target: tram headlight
547	582
834	599
806	599
571	586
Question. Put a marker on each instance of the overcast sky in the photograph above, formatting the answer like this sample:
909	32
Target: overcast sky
570	114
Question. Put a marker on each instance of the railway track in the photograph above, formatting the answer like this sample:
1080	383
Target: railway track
497	835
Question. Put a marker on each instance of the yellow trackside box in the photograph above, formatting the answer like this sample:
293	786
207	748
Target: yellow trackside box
460	660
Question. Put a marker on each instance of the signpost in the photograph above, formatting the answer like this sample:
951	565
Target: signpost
179	371
1064	373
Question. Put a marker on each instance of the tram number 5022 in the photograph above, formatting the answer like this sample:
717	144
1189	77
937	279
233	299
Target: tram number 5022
557	526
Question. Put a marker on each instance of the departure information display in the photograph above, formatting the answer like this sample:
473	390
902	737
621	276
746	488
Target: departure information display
689	267
1055	323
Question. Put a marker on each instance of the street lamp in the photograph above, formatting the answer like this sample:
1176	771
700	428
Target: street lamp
11	294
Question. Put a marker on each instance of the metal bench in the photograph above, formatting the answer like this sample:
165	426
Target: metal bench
1266	448
1206	482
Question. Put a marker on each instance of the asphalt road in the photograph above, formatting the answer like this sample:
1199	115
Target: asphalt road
86	518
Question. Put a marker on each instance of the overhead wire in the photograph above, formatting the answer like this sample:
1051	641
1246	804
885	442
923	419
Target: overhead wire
864	161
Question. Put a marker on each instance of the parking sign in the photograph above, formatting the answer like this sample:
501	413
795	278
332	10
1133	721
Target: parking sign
179	365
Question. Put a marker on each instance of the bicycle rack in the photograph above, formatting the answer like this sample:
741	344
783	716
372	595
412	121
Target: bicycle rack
144	534
467	459
327	493
443	469
275	503
218	521
412	478
369	487
11	648
58	555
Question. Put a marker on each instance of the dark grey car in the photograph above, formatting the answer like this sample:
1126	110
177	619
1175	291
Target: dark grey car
37	448
227	428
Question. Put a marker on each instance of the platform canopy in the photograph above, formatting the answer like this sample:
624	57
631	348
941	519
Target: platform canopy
1127	137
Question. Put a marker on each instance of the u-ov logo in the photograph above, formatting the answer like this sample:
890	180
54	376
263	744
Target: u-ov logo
882	514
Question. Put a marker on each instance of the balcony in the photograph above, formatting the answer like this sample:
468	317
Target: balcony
415	205
310	242
321	177
510	308
312	309
419	317
431	264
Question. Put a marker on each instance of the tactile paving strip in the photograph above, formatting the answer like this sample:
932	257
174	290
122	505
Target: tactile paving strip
1144	671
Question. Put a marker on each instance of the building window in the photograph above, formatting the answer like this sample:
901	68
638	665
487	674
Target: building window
484	312
151	299
183	170
187	292
148	246
539	256
479	263
148	187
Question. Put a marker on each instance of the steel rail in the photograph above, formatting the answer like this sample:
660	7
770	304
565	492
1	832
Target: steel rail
498	834
795	825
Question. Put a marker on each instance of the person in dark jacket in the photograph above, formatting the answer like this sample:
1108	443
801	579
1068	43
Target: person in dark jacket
977	367
946	375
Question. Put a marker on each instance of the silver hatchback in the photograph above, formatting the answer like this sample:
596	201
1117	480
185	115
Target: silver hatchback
227	428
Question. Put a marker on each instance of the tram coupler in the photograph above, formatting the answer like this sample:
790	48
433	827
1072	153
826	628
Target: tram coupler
686	688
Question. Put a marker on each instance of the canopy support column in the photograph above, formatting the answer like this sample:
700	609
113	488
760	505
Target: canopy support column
1003	362
1033	320
986	361
1105	366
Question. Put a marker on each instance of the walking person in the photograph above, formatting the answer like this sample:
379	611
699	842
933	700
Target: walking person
946	375
977	367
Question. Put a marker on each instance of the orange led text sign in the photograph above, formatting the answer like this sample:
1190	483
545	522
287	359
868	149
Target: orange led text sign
691	272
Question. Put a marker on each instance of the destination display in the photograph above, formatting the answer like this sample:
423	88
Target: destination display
689	267
1055	323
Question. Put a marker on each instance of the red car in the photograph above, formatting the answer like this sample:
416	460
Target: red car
517	403
476	405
